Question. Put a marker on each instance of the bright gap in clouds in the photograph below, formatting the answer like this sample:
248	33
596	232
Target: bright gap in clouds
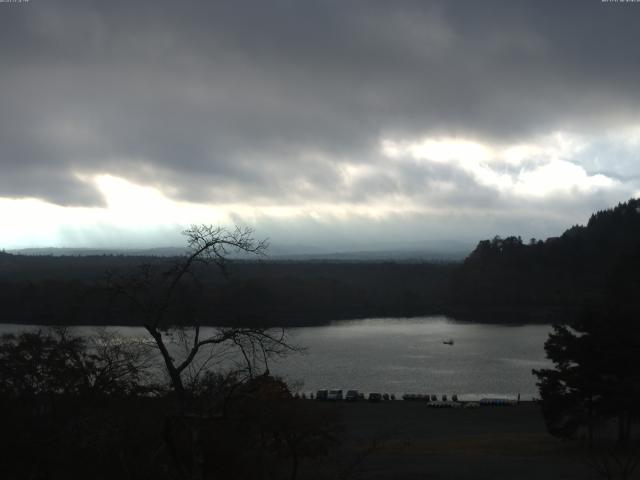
132	214
521	178
527	170
142	216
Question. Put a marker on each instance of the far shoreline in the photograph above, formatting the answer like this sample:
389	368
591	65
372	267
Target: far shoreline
502	317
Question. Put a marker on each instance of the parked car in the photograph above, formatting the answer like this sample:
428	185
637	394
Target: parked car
322	394
335	395
375	397
352	396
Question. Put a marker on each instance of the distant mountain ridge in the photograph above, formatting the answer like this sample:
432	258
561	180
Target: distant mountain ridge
86	252
276	254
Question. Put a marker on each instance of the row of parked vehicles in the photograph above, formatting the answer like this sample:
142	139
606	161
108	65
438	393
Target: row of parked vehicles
432	400
352	396
355	395
420	397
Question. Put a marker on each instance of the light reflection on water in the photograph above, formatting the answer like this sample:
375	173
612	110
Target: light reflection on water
407	355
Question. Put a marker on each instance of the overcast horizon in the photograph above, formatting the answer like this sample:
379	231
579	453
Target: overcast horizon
336	126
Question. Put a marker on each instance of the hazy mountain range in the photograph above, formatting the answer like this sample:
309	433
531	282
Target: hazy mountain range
453	252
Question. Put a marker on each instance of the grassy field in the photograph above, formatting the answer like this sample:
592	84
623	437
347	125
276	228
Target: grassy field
408	440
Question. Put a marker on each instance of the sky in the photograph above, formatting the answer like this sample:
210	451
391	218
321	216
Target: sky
336	125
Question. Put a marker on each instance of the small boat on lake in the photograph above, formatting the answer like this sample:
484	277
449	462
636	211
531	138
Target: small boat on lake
448	342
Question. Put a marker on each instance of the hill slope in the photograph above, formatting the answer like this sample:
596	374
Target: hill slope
591	264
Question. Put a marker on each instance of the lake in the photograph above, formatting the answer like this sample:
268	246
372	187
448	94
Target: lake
408	356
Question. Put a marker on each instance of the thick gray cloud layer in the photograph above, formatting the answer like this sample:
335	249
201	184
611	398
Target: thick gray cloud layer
266	102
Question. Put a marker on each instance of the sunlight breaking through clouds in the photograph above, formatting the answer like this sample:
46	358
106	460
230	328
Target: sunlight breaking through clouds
142	215
328	121
534	169
414	180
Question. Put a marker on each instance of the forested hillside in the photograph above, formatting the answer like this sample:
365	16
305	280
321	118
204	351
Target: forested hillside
587	265
503	279
73	290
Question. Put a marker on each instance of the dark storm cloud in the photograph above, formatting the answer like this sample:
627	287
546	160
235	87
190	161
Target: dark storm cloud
267	101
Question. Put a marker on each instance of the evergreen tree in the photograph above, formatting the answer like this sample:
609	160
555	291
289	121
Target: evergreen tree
595	378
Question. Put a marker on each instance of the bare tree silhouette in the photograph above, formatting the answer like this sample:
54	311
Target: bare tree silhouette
168	310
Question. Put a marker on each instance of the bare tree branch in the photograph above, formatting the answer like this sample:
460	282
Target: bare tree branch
151	296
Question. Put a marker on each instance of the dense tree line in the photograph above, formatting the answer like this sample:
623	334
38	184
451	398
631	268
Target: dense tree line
586	265
71	290
503	279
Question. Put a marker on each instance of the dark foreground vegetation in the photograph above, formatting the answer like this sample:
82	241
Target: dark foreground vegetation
106	407
592	393
72	407
110	407
93	408
503	279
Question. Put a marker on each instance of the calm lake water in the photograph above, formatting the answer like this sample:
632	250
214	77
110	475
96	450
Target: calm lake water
407	355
